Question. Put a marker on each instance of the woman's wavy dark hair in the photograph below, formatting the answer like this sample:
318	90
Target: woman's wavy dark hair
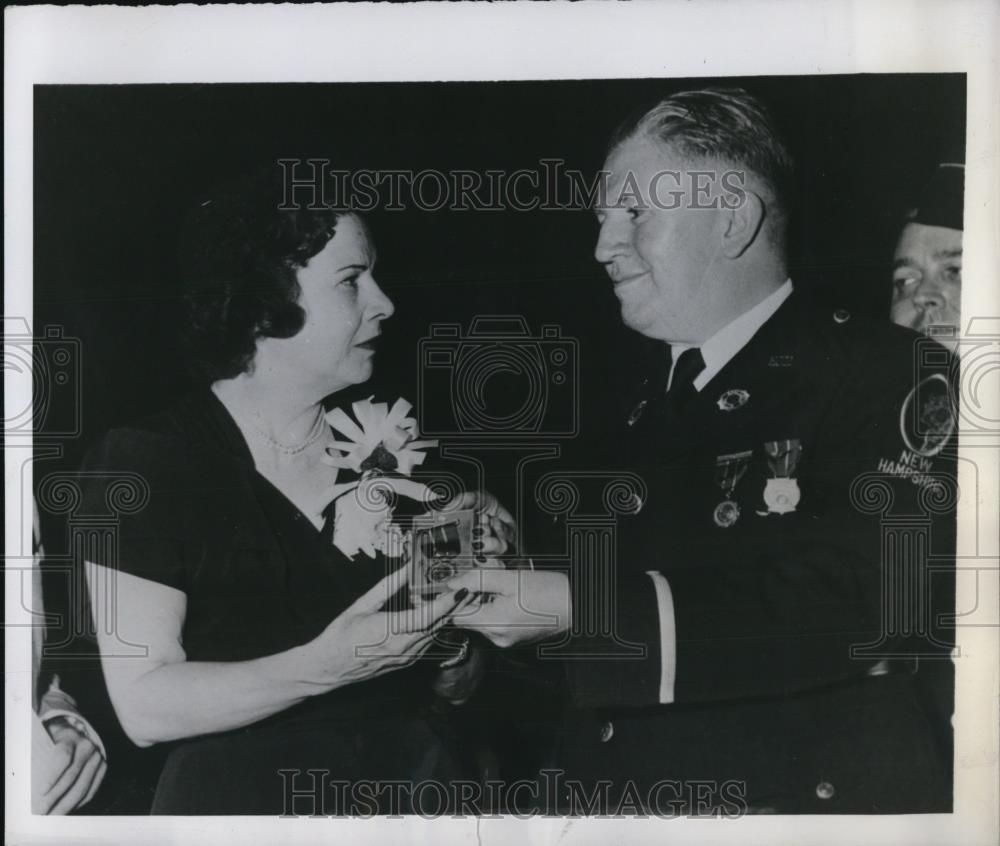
240	251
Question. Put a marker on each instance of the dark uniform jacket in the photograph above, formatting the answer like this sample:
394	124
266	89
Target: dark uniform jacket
796	686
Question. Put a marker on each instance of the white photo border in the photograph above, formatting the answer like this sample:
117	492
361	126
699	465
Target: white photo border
523	41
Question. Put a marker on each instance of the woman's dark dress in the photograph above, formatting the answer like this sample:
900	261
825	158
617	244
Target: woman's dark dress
260	579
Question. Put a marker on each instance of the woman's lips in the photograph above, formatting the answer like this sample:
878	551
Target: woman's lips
371	344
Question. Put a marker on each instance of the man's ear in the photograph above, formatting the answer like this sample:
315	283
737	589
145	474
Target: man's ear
743	225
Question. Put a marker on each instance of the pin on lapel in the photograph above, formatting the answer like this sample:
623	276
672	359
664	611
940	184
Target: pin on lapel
732	399
636	413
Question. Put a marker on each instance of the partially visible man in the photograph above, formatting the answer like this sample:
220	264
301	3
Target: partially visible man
68	759
927	265
776	570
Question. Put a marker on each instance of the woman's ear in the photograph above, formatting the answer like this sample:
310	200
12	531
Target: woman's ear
743	225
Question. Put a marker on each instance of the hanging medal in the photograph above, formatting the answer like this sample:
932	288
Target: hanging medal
729	469
781	491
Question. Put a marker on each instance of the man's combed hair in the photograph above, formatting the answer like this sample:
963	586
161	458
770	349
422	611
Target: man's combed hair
239	257
728	125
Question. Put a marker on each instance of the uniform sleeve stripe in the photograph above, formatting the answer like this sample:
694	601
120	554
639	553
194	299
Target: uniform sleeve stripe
668	636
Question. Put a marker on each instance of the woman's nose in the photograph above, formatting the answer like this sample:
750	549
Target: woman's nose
380	307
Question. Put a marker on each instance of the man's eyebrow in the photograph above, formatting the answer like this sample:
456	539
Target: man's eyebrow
946	254
903	262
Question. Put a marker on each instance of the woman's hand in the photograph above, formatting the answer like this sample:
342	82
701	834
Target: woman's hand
496	531
513	606
364	641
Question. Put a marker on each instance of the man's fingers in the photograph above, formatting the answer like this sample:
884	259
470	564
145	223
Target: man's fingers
102	771
490	577
74	796
75	762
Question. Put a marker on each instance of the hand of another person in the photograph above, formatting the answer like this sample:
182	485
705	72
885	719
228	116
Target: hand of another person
457	683
513	606
364	641
83	769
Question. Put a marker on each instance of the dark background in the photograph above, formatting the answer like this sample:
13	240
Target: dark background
117	167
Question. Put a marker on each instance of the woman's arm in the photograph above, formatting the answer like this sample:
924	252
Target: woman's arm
162	696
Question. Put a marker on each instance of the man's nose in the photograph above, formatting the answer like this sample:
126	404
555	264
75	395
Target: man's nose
928	295
611	241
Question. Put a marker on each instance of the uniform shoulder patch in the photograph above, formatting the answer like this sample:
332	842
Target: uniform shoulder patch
927	418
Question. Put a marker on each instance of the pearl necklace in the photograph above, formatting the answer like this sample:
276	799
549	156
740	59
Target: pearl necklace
315	433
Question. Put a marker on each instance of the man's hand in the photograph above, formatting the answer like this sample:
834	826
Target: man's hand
456	684
81	772
514	606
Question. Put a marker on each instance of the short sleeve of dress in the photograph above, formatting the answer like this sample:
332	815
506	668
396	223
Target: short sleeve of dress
141	482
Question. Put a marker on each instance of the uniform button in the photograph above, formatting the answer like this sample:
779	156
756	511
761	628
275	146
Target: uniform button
824	790
841	315
607	731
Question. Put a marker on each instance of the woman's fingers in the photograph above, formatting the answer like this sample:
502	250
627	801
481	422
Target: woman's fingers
487	505
434	613
491	545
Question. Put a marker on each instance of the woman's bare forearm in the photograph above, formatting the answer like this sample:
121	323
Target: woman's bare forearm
188	698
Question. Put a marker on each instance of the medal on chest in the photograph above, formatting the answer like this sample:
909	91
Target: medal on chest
729	469
781	491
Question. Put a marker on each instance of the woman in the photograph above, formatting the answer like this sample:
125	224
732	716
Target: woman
251	643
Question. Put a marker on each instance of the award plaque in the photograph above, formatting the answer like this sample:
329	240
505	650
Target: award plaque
441	546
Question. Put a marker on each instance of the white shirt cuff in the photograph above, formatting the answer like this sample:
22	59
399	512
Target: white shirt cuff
668	636
79	723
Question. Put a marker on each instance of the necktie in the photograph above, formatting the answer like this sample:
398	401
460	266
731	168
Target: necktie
688	366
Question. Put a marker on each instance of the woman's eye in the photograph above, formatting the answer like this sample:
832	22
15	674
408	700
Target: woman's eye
634	212
953	273
902	281
351	282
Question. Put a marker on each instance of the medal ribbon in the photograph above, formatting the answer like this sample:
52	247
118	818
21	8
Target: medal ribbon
729	469
783	457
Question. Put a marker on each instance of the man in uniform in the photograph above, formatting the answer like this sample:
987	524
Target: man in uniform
766	573
927	265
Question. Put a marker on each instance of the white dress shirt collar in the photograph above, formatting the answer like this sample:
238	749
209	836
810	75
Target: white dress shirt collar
720	349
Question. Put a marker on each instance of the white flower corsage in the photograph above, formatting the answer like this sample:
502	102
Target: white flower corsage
382	446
